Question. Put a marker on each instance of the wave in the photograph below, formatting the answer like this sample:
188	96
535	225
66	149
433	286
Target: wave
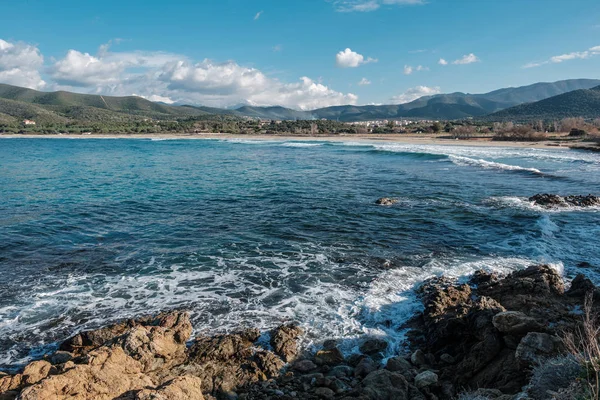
466	161
301	144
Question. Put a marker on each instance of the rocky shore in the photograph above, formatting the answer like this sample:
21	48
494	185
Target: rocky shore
489	335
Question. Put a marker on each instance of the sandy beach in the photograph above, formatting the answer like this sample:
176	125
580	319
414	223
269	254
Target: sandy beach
422	139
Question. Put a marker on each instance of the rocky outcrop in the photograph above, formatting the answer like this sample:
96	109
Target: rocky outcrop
491	332
553	200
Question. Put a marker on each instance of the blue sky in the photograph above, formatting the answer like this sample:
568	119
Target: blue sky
300	54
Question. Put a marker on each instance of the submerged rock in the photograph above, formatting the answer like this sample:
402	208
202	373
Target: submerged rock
552	200
386	201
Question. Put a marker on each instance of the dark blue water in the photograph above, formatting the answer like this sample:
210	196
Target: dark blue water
256	233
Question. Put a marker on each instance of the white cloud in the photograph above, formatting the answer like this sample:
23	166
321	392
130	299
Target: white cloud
20	65
442	62
364	82
414	93
156	98
277	48
370	5
84	70
409	69
467	59
258	14
351	59
592	51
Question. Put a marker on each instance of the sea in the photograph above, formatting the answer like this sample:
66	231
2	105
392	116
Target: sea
246	233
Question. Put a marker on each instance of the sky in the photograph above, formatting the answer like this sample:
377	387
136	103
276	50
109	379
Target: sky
302	54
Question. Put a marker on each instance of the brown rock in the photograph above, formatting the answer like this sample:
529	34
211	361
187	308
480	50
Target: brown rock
386	201
36	371
284	341
182	388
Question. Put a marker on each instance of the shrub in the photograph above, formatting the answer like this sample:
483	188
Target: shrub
552	375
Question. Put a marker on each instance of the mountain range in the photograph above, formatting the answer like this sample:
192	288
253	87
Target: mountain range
61	107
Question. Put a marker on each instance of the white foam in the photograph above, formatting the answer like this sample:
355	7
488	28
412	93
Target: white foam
301	144
523	203
466	161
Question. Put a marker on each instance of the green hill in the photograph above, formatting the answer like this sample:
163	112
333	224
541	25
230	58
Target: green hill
578	103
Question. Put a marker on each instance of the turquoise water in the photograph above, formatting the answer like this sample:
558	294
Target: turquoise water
257	233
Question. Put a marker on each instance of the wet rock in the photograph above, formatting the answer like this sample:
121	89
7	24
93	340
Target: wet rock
181	388
398	364
537	346
418	358
304	366
373	346
329	357
341	371
61	357
325	393
364	367
387	385
386	201
447	358
284	341
515	323
426	379
580	286
552	200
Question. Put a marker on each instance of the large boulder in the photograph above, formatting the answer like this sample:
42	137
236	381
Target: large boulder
537	346
387	385
107	374
515	323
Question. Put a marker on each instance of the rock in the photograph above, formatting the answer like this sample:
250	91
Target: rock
304	366
515	323
373	346
418	358
108	373
329	357
537	346
325	393
580	286
398	364
341	371
386	201
387	385
61	357
330	344
284	341
181	388
553	200
425	379
364	367
447	358
36	371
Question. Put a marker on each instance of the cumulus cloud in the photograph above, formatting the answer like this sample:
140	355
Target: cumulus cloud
414	93
351	59
467	59
442	62
229	83
592	51
364	82
370	5
408	70
84	70
20	65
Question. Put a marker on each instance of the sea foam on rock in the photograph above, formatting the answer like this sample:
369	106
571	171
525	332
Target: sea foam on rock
552	200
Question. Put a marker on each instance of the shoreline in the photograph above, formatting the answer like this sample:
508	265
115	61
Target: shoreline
427	139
